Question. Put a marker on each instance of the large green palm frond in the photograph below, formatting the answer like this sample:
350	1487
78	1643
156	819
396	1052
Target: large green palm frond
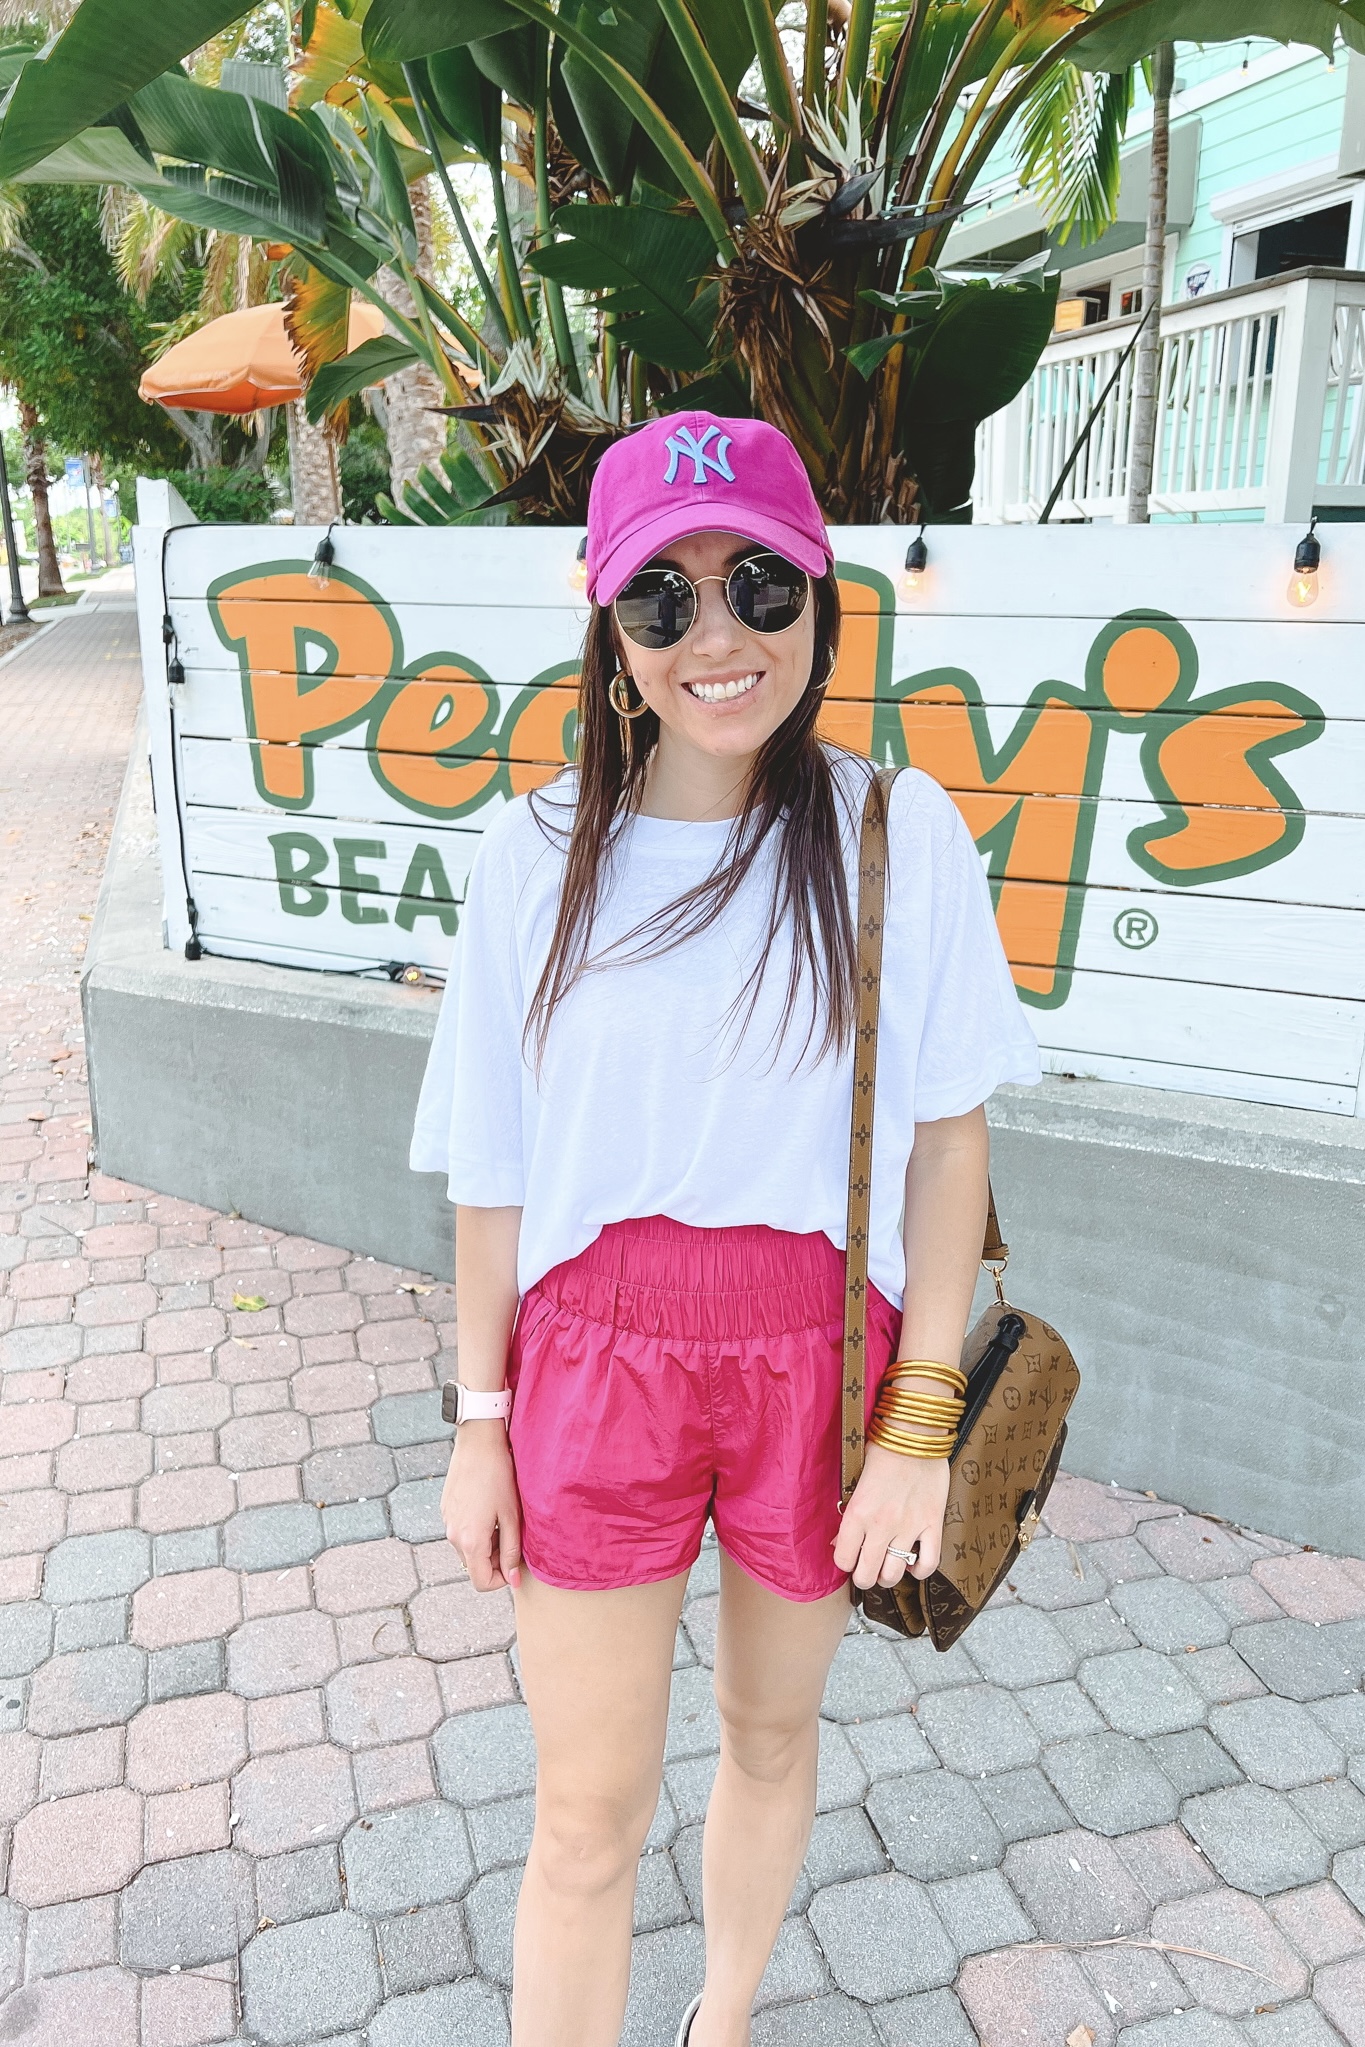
1069	136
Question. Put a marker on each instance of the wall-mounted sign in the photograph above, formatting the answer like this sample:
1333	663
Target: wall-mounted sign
1162	763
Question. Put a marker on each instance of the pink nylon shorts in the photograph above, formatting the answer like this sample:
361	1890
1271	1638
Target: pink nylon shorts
668	1373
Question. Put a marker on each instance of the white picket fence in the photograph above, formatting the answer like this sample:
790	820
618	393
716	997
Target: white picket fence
1260	411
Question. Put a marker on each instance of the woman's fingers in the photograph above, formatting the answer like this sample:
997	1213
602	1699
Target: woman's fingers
509	1549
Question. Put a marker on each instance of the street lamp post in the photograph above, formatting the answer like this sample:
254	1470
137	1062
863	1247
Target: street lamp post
18	610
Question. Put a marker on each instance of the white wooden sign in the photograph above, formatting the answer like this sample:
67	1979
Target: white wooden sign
1161	758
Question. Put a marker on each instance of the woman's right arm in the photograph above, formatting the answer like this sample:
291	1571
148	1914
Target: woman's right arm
479	1504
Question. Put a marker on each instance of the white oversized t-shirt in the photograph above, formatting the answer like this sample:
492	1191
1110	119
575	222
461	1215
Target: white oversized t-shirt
645	1102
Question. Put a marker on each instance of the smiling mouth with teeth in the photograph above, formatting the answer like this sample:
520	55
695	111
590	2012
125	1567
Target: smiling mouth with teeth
723	692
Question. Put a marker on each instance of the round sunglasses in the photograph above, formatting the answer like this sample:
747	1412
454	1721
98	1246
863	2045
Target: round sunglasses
765	592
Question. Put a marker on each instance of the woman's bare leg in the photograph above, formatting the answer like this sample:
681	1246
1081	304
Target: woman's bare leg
596	1668
772	1658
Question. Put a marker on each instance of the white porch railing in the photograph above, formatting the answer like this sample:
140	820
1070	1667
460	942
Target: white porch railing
1261	410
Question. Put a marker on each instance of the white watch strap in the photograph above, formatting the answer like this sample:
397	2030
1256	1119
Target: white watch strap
472	1406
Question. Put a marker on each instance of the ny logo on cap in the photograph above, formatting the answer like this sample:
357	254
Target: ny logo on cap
684	443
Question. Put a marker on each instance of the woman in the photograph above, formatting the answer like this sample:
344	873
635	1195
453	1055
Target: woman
640	1090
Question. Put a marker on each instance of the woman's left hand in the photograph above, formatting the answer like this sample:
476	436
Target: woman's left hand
898	1500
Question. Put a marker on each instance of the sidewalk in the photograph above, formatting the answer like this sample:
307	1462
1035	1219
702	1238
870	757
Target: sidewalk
265	1774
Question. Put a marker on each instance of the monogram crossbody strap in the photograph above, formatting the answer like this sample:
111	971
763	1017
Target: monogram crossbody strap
871	920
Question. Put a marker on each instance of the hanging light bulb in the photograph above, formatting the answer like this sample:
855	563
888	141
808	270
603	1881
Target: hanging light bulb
911	578
1303	584
323	556
578	574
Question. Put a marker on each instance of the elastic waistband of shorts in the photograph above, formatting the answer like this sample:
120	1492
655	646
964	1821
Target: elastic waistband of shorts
656	1277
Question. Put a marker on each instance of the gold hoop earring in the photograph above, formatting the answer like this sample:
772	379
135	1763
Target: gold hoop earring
623	710
828	676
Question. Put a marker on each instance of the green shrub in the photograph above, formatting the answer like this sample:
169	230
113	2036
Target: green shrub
225	497
364	472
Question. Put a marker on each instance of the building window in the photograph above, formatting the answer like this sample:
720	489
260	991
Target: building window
1309	238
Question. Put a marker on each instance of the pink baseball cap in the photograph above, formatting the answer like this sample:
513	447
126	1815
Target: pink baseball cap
691	472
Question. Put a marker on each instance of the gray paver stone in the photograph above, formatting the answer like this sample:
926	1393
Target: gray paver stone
1023	1804
1184	2029
693	1723
422	1460
490	1911
186	1671
1168	1614
1255	1839
92	1688
415	1510
302	1885
1093	1630
1134	1983
842	1846
1335	1812
453	2015
1059	1710
90	1624
1194	1762
882	1937
1344	1719
272	1538
325	1967
840	1778
1277	1742
1165	1863
660	1899
97	1566
420	1948
704	1576
1015	1646
1111	1783
1141	1692
63	1938
352	1471
357	1521
664	1825
979	1730
186	1549
687	1862
1225	1923
1055	1574
866	1680
932	1671
891	1748
25	1636
418	1855
11	1945
40	1348
1294	1659
796	1968
13	1703
485	1755
665	1975
1219	1675
1122	1559
689	1786
1346	1639
1348	1873
980	1912
1075	1887
825	2022
501	1832
933	2019
934	1825
196	1909
1293	2025
403	1418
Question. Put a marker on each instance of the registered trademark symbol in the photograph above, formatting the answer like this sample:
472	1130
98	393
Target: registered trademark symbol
1135	928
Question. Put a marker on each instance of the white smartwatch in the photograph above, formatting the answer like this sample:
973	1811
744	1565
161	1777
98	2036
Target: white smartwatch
462	1404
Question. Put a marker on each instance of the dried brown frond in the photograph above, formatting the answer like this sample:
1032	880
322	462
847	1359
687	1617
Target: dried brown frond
568	178
539	446
767	294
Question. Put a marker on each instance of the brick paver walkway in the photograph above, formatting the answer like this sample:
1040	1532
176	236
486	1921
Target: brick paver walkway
265	1773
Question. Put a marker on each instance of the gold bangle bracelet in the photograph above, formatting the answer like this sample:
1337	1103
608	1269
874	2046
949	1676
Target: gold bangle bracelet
933	1389
913	1432
928	1368
939	1403
906	1449
914	1411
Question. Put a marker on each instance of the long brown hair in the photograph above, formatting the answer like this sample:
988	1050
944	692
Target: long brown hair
791	795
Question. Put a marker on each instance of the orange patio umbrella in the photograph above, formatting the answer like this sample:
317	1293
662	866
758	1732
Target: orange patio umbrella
241	362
